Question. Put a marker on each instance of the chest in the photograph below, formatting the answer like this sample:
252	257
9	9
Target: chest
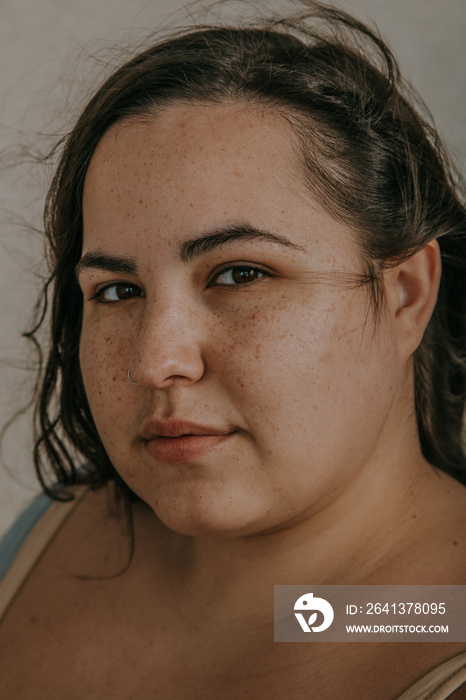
101	654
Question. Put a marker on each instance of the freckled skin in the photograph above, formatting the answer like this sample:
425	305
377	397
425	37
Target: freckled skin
287	362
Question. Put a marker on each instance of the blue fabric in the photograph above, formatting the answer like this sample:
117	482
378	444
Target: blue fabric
14	538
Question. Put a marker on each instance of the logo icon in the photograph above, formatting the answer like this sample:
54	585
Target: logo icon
308	603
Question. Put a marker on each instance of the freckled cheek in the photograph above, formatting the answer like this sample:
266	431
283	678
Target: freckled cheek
103	354
273	347
300	355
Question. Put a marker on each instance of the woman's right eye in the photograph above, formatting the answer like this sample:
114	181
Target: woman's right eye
118	291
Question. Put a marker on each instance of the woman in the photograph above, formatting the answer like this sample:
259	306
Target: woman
253	345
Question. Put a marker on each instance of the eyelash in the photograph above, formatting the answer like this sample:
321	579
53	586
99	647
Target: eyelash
99	295
238	268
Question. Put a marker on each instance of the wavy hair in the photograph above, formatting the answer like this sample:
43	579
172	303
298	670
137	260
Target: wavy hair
368	155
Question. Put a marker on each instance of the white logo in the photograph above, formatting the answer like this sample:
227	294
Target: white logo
307	602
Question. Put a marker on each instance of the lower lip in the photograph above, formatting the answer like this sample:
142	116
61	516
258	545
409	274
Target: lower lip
184	448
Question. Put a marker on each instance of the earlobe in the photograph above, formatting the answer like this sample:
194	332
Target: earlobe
411	292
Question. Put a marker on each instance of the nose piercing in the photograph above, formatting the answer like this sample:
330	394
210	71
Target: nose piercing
132	380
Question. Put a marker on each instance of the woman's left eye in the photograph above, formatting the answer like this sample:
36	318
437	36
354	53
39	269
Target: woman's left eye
240	274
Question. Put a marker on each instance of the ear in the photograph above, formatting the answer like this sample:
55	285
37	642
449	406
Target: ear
411	292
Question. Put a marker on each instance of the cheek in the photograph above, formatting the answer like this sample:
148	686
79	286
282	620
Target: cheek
314	366
102	354
281	345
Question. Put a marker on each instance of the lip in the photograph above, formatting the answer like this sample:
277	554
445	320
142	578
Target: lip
181	441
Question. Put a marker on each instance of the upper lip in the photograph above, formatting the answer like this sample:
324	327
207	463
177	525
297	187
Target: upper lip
176	428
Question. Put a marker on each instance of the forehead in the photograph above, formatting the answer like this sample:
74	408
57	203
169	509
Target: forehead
196	167
232	141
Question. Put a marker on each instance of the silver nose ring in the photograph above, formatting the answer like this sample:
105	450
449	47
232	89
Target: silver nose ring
132	380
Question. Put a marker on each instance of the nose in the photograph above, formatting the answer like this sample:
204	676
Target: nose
167	347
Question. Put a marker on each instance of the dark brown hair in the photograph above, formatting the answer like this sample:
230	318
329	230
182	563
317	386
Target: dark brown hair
368	156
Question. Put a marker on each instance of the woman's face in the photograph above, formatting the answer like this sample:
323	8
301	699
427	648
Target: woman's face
263	387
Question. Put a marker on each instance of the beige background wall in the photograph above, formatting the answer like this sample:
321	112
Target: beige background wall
43	76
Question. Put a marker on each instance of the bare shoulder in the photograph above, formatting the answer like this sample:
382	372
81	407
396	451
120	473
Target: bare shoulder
62	598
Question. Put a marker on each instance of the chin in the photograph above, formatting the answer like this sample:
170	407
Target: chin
209	516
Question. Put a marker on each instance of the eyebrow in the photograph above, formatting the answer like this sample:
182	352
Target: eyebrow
188	250
103	261
221	236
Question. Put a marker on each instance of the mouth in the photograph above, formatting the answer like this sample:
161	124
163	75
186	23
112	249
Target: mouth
177	441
